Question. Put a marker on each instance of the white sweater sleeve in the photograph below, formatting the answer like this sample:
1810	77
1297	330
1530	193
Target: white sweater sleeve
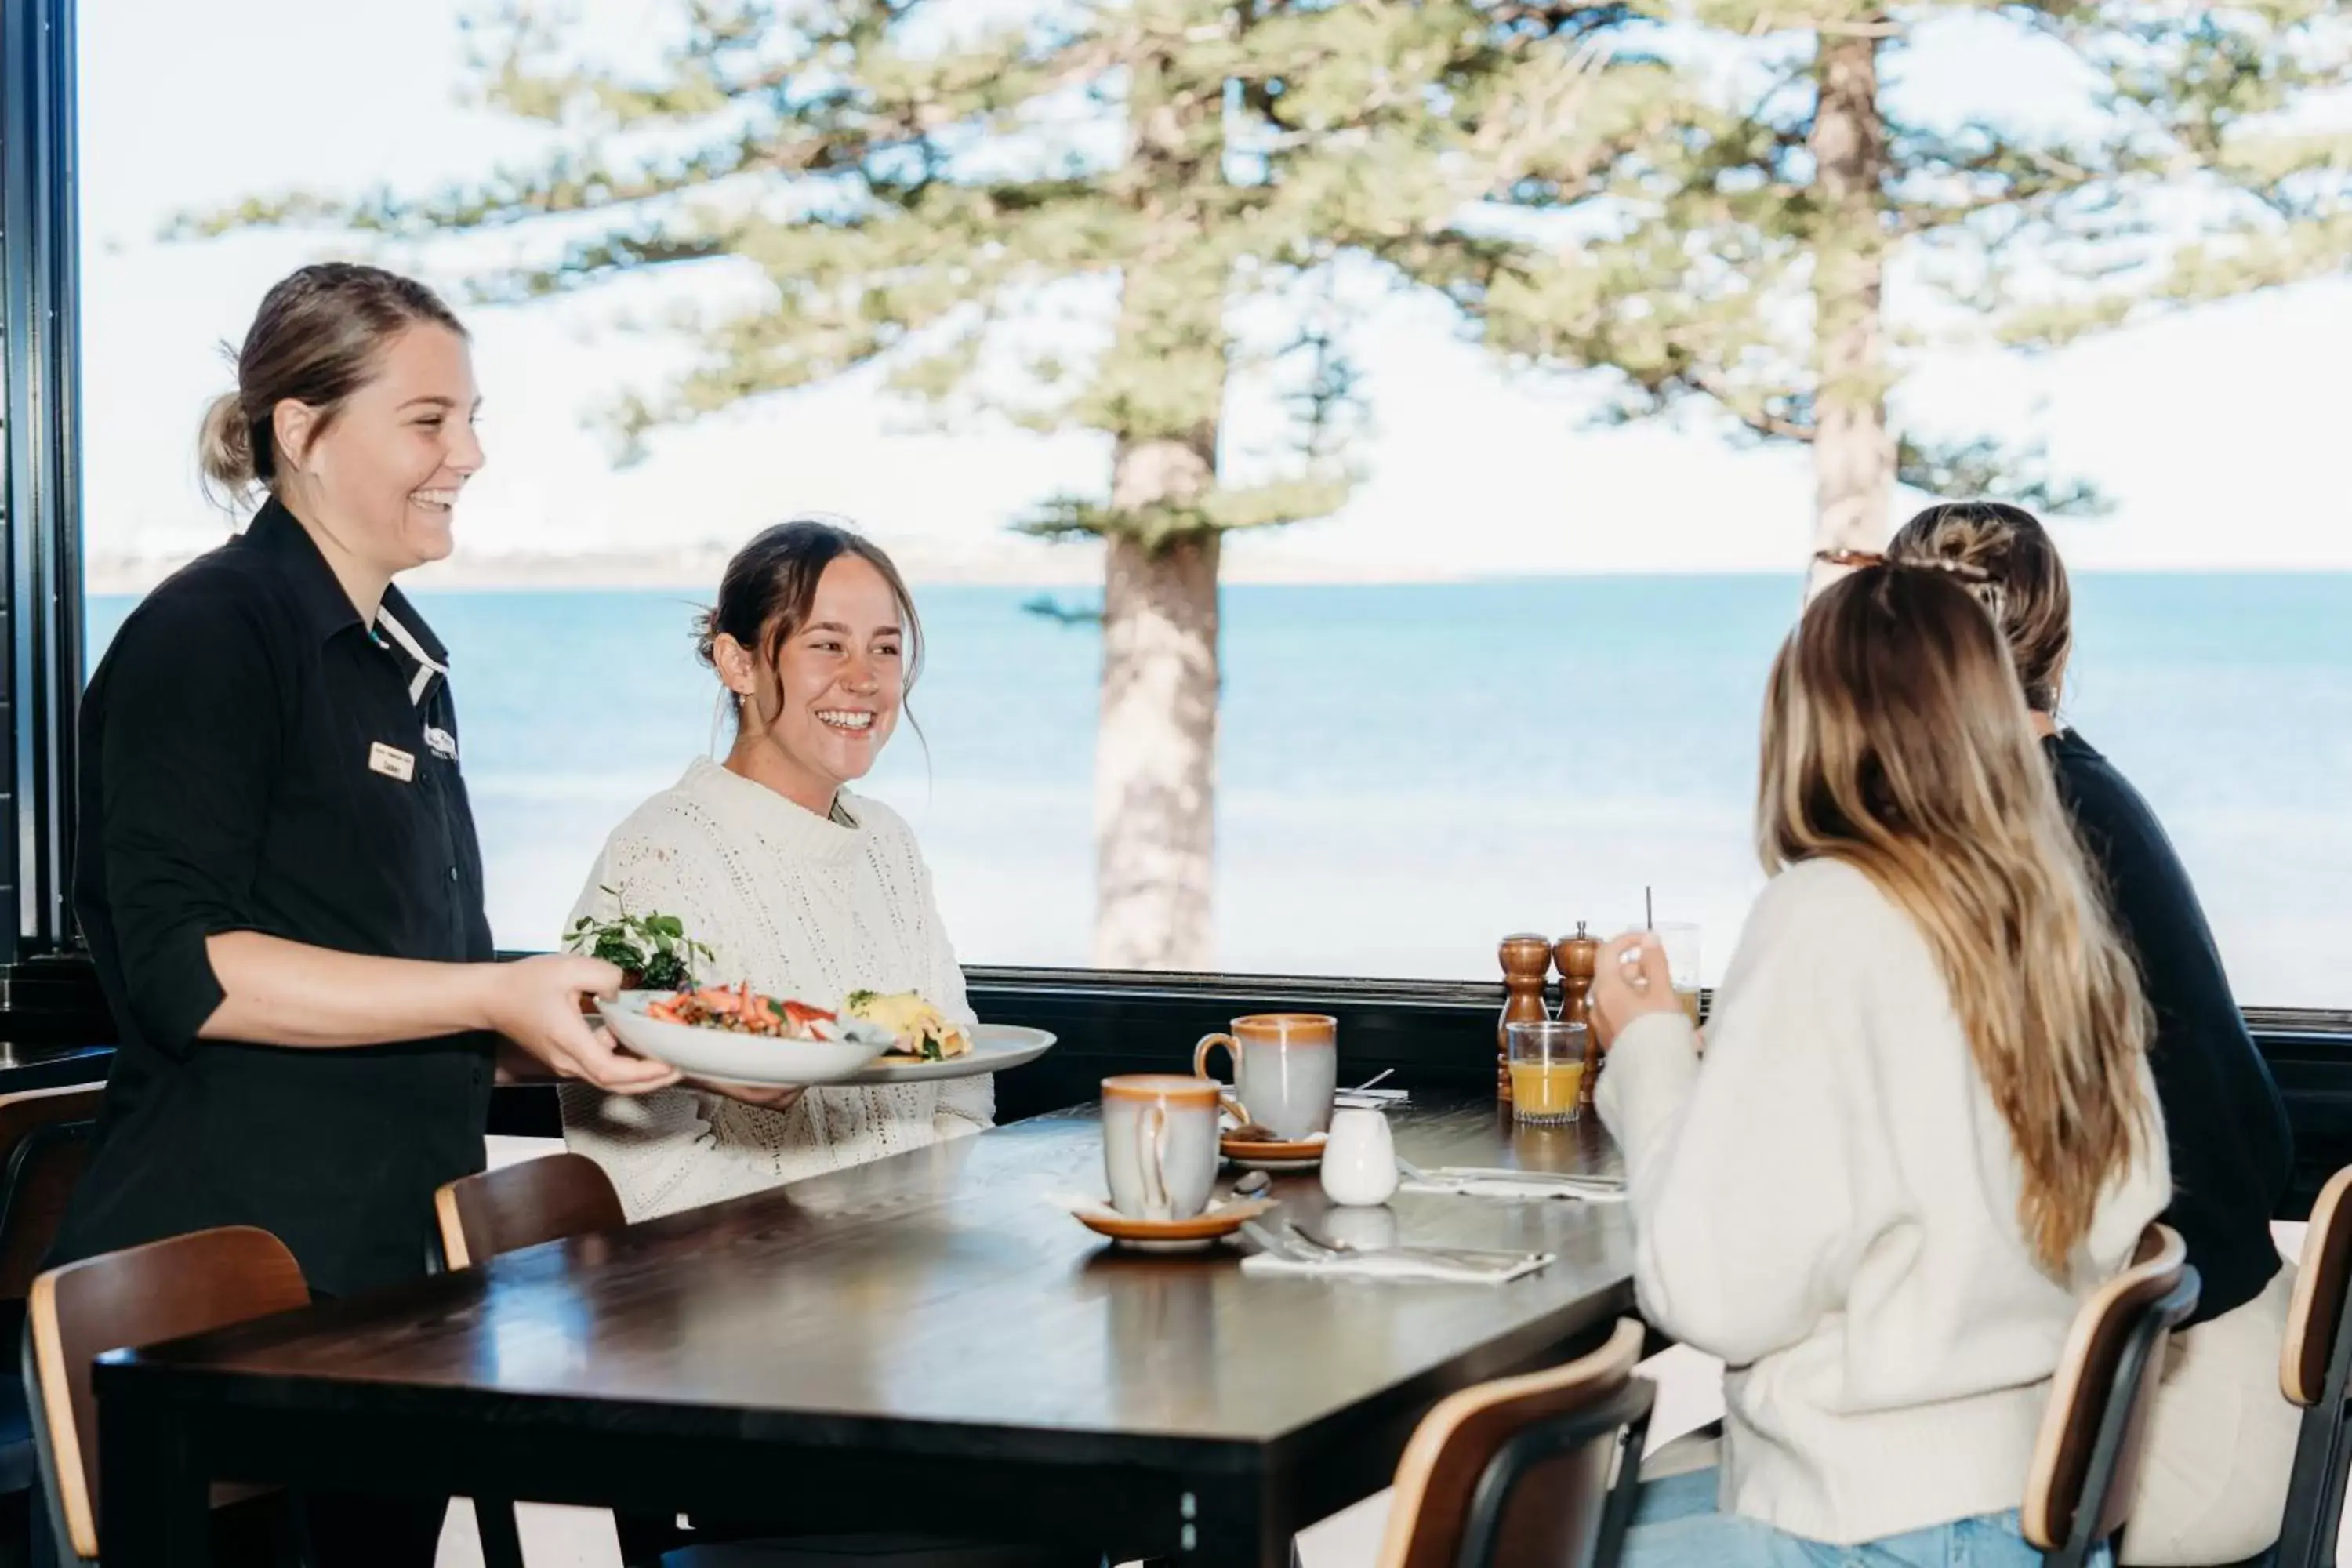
1745	1173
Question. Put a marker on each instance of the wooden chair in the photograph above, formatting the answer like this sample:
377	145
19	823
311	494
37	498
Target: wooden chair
558	1195
139	1296
1519	1471
2086	1458
519	1205
2314	1368
44	1144
523	1205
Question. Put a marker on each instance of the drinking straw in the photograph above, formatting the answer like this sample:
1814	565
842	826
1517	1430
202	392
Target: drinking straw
1649	915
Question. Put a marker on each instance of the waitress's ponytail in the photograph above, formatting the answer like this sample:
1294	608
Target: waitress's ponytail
225	451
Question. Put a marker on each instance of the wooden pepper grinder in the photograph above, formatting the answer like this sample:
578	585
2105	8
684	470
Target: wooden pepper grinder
1579	958
1526	963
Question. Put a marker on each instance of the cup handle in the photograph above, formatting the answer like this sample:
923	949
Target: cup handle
1229	1098
1151	1158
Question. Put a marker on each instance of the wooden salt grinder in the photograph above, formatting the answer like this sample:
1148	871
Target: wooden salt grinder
1579	958
1526	963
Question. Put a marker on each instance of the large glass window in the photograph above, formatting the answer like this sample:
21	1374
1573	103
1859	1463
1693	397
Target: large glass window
1511	682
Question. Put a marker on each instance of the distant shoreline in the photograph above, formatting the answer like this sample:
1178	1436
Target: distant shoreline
1066	567
1071	568
699	571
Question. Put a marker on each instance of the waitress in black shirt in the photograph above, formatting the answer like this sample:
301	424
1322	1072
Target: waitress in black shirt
2223	1438
276	870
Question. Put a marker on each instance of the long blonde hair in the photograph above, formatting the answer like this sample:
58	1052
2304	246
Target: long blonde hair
1896	740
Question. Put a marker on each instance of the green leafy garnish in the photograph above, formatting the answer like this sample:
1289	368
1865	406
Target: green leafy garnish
652	950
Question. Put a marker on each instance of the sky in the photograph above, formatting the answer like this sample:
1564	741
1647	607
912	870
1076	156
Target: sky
2217	432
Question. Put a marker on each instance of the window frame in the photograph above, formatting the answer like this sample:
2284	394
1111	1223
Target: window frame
40	268
41	653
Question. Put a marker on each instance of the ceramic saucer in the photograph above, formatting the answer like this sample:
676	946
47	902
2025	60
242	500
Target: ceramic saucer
1276	1154
1204	1229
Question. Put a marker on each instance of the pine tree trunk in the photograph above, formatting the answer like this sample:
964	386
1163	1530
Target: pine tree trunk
1156	743
1156	746
1853	455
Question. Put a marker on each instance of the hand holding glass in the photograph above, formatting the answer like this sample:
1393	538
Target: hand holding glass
1633	977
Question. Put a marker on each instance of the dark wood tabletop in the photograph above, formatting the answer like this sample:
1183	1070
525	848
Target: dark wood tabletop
927	1341
28	1063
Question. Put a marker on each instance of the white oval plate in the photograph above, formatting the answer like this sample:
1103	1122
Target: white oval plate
996	1047
731	1057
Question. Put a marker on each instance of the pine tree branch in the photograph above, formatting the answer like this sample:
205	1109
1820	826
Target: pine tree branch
1752	409
1985	468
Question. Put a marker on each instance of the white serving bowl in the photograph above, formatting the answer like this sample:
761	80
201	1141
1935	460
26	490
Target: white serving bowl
737	1059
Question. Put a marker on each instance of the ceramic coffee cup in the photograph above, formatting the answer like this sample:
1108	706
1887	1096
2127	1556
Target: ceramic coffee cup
1159	1144
1285	1067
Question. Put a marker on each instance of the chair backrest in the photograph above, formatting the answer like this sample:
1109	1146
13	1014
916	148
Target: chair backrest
139	1296
1449	1479
523	1205
2086	1458
2316	1312
1549	1497
44	1145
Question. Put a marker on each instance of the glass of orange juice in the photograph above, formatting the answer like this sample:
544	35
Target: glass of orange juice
1547	1061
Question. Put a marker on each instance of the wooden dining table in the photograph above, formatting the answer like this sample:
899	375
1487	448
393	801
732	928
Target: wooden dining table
927	1344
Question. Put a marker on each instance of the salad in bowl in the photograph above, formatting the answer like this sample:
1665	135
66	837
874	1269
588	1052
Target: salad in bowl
737	1035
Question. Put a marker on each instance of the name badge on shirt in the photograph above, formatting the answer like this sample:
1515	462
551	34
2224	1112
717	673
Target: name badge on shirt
391	762
440	743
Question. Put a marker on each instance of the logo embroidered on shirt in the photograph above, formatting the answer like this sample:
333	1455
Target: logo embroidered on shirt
440	743
392	761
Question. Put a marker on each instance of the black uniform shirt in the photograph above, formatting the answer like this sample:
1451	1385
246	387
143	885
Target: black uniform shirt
2232	1151
255	758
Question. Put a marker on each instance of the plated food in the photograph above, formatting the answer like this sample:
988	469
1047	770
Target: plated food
735	1033
923	1033
739	1010
739	1036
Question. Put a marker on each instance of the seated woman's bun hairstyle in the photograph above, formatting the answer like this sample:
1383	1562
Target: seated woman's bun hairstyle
2016	557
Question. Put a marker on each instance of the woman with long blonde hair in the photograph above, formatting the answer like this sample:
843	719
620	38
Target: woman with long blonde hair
2221	1437
1923	1129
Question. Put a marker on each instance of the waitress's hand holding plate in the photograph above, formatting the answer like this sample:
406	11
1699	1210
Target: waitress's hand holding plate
535	1002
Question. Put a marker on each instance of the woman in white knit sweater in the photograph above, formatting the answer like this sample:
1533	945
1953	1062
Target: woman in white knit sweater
1923	1128
796	885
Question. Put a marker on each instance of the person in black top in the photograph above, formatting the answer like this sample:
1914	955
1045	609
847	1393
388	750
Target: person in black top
2222	1436
277	871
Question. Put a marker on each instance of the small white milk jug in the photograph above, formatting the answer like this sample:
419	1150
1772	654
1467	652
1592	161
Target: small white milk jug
1360	1158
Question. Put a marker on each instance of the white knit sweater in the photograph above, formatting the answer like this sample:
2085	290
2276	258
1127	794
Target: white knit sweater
1828	1201
798	906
